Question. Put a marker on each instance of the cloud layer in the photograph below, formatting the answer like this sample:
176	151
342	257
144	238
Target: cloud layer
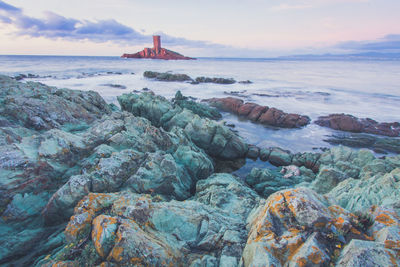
54	26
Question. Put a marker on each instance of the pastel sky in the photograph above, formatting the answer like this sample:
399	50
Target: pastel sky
229	28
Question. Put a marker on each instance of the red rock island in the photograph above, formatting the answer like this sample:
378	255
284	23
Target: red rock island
157	52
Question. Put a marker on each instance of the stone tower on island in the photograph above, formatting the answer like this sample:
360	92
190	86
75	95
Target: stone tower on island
157	43
157	52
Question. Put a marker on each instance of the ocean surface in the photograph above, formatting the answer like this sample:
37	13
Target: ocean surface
363	88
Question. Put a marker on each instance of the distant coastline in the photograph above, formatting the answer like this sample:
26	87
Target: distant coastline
308	57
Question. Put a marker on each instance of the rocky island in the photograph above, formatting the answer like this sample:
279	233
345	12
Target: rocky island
86	183
157	52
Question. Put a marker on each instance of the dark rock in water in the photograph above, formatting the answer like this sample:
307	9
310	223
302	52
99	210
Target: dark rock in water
237	93
349	123
170	77
260	114
197	108
378	144
246	82
166	76
215	80
27	76
118	86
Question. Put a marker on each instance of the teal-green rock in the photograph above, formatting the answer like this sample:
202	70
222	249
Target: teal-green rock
216	139
360	194
203	110
268	181
367	253
224	191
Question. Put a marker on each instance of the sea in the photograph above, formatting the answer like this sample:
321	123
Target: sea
363	88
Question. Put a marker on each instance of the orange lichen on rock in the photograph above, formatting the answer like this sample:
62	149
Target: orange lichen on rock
385	219
302	262
116	253
292	248
316	256
78	224
101	225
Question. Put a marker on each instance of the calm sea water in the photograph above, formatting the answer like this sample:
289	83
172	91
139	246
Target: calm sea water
314	88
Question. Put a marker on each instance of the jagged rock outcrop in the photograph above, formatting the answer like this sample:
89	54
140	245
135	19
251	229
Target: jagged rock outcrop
156	161
261	114
202	110
145	230
349	123
142	188
217	140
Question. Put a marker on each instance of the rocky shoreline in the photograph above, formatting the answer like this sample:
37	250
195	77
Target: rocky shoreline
84	183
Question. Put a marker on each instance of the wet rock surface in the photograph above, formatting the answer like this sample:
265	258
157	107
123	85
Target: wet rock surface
148	186
378	144
261	114
349	123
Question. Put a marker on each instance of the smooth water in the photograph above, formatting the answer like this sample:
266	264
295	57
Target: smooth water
314	88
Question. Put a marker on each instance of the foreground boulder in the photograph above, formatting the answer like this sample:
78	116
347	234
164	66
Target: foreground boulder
349	123
296	227
261	114
126	228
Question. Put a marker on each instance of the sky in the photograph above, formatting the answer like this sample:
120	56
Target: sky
225	28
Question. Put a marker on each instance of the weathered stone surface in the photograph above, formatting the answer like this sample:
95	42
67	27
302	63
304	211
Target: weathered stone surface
378	144
41	107
226	192
149	231
216	139
349	123
203	110
367	253
296	227
360	194
264	115
267	181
